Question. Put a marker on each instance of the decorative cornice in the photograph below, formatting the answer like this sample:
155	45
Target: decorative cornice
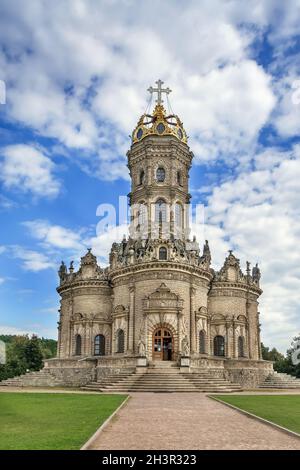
93	283
160	265
225	285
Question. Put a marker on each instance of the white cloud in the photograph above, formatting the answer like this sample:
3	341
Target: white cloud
12	330
286	118
33	260
53	310
257	213
54	235
6	203
61	241
29	330
27	169
101	243
89	82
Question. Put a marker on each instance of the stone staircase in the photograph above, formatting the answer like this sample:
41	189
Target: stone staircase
163	377
280	380
41	378
206	380
108	382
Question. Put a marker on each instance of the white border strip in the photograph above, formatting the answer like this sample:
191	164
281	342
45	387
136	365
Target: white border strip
103	425
251	415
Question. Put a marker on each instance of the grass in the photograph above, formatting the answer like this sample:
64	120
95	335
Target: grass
280	409
49	421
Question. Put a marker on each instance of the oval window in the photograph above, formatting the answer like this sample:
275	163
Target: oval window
139	133
160	128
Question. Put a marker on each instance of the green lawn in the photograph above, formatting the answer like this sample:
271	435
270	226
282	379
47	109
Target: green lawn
52	420
280	409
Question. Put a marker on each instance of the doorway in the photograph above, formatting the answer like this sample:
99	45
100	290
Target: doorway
162	345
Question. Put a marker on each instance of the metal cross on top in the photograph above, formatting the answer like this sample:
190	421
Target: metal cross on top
159	90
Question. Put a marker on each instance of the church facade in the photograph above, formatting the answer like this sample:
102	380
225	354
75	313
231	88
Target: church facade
159	299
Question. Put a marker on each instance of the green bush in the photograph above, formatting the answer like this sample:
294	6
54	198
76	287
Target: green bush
24	353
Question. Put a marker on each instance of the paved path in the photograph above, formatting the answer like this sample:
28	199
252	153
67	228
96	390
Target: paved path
187	421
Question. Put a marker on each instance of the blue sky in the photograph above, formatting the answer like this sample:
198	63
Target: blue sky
76	74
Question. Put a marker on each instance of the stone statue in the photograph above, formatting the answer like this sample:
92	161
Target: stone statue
256	273
185	348
62	272
141	348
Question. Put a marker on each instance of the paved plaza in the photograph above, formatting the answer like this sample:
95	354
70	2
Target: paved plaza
187	421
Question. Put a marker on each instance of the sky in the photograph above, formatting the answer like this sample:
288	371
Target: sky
75	75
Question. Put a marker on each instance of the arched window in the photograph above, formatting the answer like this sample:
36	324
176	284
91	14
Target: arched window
160	174
202	341
179	178
241	348
142	214
99	345
120	341
163	254
160	211
219	346
178	215
77	345
142	177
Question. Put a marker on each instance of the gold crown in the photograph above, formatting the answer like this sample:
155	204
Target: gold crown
159	124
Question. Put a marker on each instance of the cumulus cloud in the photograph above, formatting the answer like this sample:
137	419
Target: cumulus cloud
12	330
59	241
81	84
6	203
54	235
33	260
27	169
89	82
257	214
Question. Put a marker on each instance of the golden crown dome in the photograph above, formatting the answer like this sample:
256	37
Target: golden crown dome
159	123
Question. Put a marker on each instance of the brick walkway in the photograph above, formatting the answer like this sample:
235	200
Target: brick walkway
187	421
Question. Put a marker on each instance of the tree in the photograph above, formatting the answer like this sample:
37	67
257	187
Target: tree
33	354
24	353
284	364
272	355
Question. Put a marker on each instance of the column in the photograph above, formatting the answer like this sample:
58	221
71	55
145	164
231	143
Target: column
233	340
258	339
131	318
227	349
208	340
192	321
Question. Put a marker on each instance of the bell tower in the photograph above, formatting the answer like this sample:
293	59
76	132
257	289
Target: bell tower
159	161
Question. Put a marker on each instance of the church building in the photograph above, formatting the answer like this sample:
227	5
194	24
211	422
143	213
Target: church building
159	302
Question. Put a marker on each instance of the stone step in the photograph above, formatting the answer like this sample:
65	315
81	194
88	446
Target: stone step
163	390
280	381
35	378
164	378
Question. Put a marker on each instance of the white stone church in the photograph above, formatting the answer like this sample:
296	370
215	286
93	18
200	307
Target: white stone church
159	306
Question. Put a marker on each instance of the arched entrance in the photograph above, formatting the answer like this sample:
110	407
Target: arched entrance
163	345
